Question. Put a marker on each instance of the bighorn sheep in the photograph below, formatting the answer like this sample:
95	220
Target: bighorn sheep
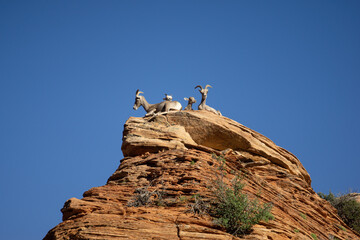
152	109
202	105
190	100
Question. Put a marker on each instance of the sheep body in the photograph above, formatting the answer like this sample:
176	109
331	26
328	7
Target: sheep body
202	105
191	101
152	109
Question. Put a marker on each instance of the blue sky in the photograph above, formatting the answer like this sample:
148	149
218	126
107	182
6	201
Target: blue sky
69	71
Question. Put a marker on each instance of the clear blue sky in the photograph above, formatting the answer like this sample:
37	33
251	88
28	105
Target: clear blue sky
69	71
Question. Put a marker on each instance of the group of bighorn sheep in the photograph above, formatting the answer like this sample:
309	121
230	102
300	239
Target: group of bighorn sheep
169	105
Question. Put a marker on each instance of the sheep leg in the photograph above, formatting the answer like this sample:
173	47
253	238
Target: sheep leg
150	113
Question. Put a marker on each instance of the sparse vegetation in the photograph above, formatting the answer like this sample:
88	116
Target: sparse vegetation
228	205
303	216
347	207
183	198
199	206
329	197
341	227
296	230
313	235
232	208
144	197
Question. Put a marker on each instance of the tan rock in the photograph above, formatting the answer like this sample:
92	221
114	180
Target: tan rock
180	129
175	173
143	135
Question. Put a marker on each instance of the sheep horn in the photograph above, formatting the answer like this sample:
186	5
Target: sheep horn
138	92
199	87
207	86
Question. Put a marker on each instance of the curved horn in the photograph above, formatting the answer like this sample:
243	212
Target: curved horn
186	99
199	87
207	86
138	92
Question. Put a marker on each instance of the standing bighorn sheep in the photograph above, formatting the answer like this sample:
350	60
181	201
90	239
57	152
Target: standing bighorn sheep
191	101
152	109
202	105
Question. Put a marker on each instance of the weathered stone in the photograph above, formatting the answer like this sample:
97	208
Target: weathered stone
179	129
174	173
143	135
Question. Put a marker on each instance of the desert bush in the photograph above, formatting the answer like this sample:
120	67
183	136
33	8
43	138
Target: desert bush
329	197
199	206
144	197
232	209
313	235
347	207
349	211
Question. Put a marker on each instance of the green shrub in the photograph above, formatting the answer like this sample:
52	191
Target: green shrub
329	197
349	211
183	198
313	235
232	209
341	227
347	207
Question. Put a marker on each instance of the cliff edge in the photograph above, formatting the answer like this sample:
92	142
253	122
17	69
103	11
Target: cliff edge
169	160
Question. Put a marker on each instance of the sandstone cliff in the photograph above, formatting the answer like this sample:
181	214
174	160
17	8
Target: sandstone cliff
171	156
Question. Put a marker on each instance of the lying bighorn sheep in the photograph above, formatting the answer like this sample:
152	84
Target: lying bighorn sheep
202	105
152	109
190	100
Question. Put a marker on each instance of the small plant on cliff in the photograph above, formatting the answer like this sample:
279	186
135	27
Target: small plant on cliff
232	208
347	207
313	235
141	198
199	206
144	197
341	227
328	197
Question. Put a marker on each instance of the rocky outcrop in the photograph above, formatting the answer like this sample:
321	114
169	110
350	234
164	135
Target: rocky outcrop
171	159
188	129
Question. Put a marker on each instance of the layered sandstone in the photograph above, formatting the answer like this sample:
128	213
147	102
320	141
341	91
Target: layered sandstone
172	156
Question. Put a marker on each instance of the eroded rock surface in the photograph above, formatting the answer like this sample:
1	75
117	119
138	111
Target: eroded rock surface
172	155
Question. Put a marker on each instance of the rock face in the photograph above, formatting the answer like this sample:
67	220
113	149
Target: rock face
169	160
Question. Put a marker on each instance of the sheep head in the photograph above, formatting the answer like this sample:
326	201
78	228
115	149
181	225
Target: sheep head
137	103
203	91
190	100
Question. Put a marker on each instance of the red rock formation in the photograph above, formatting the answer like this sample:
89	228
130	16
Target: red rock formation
170	156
